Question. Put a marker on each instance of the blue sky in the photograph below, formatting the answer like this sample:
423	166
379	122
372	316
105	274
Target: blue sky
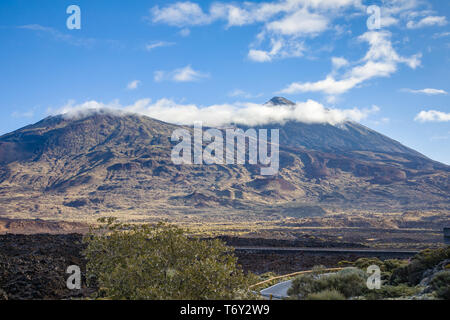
218	61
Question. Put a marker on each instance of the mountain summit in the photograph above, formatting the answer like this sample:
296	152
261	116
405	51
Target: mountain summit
106	163
280	101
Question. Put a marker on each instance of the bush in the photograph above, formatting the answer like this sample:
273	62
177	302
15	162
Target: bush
387	267
326	295
441	284
386	292
303	286
160	262
349	282
3	295
413	272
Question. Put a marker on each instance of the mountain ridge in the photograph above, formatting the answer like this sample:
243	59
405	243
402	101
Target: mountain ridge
107	163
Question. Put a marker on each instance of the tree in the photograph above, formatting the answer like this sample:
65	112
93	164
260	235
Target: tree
160	262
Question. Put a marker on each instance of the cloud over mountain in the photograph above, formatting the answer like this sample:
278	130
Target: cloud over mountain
250	114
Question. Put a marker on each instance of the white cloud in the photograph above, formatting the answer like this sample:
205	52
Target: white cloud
180	14
133	85
283	21
249	114
280	48
57	35
259	56
432	116
158	44
339	62
381	60
441	35
185	32
73	110
243	94
291	20
428	91
427	22
301	22
186	74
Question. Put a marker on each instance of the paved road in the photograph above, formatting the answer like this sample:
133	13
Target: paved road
278	291
330	250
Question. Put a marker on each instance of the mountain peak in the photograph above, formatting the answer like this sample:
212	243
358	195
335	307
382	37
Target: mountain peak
280	101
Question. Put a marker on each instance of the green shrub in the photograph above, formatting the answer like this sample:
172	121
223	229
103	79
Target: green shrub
387	267
386	292
364	263
441	284
349	282
160	262
267	276
413	272
326	295
392	264
303	286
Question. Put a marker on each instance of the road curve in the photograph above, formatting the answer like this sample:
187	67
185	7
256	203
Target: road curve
278	291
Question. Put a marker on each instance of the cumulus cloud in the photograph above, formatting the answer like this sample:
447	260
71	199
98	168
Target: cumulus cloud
381	60
133	85
290	20
283	21
427	22
237	14
186	74
249	114
427	91
72	110
339	62
180	14
432	116
301	22
280	48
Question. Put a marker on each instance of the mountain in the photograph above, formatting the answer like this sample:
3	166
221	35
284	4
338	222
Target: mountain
105	162
280	101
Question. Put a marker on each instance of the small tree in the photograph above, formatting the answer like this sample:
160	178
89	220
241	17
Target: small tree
160	262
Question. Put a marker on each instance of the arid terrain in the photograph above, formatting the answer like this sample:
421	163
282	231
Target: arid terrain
343	183
34	266
81	167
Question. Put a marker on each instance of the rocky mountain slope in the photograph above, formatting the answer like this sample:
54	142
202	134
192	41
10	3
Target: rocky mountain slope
103	162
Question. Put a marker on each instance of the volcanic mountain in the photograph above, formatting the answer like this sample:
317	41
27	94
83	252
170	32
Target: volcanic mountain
104	162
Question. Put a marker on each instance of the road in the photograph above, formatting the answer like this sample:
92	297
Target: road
330	250
278	291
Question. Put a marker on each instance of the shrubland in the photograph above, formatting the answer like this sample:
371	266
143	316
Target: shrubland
425	276
160	262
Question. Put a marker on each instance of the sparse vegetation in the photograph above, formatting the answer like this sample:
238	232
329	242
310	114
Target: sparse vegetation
390	292
348	282
441	285
387	267
160	262
400	279
413	272
326	295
